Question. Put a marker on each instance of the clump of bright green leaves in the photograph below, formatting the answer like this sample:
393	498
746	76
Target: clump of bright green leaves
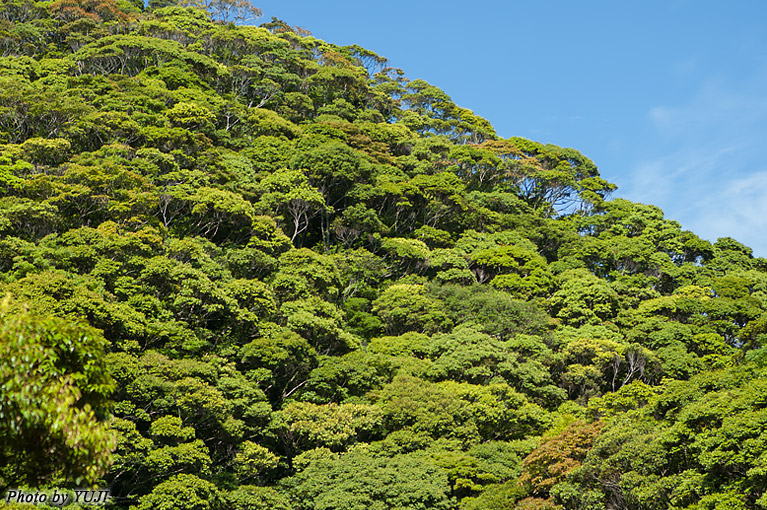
247	268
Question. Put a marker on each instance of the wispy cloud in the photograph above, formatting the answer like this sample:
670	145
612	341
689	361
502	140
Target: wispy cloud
710	170
738	210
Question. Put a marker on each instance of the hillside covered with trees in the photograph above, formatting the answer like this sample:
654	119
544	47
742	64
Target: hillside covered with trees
243	268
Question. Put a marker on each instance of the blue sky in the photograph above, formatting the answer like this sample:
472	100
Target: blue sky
669	98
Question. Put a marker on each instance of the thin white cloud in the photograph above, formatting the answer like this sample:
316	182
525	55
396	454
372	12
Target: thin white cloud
739	210
708	169
661	117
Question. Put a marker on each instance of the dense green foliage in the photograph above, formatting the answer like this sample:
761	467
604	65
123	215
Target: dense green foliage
249	269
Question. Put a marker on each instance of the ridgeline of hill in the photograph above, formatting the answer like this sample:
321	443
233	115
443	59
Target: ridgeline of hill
244	268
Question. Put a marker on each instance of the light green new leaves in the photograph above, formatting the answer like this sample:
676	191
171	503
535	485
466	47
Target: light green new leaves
53	389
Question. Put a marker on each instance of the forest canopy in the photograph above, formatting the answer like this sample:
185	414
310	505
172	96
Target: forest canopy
242	267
